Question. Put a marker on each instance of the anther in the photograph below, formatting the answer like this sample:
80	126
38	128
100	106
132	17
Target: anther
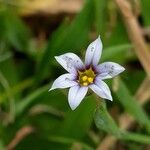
85	83
90	79
84	78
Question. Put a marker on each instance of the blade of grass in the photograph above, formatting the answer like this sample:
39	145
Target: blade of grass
65	140
105	122
145	11
112	51
16	32
136	137
82	118
100	16
131	106
22	105
11	98
16	89
125	121
5	56
1	145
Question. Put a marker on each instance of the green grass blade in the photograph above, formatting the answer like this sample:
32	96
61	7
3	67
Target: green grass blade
16	89
131	106
65	140
81	119
22	105
100	7
113	51
105	122
145	11
135	137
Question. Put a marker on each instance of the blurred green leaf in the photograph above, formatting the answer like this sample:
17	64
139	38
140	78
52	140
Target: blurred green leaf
100	16
105	122
135	137
71	38
118	35
5	56
1	145
133	79
64	140
130	105
145	11
112	52
8	68
36	142
22	105
16	89
77	122
15	32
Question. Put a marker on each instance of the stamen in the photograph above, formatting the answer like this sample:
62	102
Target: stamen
85	83
90	79
84	78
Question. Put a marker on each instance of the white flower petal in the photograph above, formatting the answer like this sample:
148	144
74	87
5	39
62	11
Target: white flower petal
93	52
76	95
70	62
101	89
109	69
64	81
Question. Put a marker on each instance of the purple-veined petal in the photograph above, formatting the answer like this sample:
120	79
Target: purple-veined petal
76	95
70	61
101	89
93	52
64	81
109	69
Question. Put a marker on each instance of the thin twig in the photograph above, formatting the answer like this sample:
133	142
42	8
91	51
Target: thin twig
136	7
143	93
21	134
41	108
135	34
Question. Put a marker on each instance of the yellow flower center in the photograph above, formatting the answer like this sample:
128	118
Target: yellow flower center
86	77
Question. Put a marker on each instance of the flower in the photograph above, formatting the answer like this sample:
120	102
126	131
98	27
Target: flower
83	76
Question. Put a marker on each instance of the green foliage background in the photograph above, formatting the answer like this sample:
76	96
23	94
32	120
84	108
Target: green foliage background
27	72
